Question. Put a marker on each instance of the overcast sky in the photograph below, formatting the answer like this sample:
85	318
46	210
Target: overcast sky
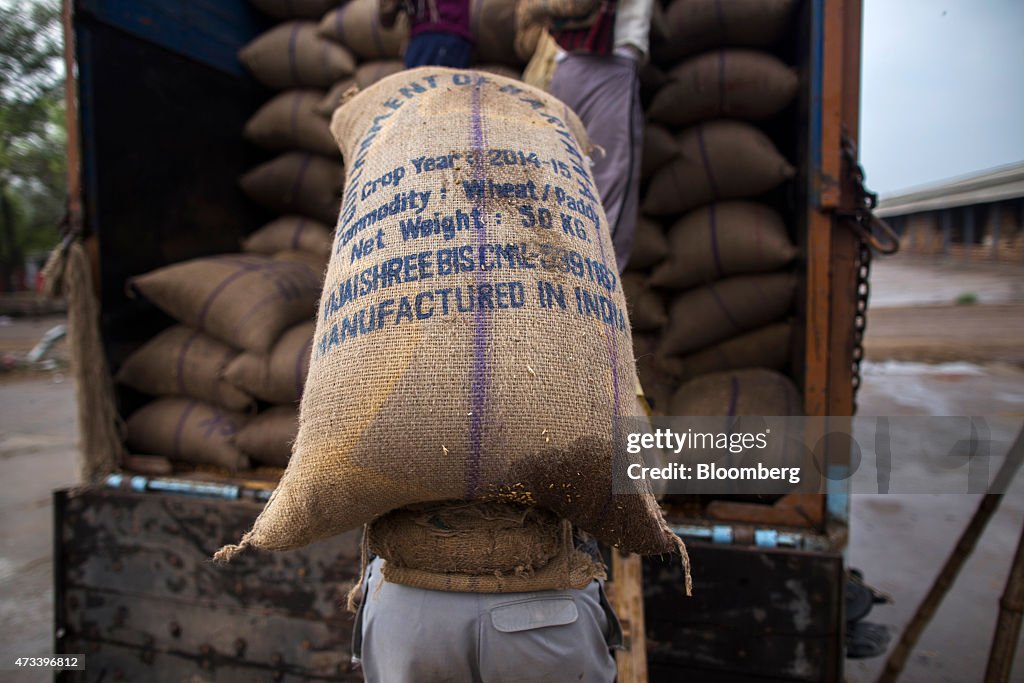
942	89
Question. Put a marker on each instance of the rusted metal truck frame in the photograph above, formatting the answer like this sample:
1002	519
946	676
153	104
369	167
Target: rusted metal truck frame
155	153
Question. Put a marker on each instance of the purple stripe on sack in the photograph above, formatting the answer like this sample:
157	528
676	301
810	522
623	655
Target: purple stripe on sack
720	15
300	176
721	306
298	233
706	161
713	221
478	386
181	363
176	444
296	102
293	66
734	395
301	367
217	291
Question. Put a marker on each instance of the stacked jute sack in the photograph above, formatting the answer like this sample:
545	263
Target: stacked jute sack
455	382
710	280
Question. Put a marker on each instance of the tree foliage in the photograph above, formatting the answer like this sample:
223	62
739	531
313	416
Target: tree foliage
32	133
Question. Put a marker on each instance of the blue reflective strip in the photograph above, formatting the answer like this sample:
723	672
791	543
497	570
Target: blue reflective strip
766	538
721	534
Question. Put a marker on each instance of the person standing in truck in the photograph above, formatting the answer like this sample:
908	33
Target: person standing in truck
439	32
596	74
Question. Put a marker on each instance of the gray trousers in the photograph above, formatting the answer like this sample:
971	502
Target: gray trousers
605	93
413	635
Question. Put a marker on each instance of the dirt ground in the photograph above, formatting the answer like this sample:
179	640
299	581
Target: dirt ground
899	541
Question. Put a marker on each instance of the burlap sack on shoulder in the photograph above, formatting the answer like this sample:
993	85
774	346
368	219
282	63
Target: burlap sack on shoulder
292	55
717	160
334	97
646	307
356	25
742	84
742	392
295	9
184	362
454	358
492	23
721	240
187	430
649	244
290	232
244	300
277	377
766	347
713	313
297	182
268	436
659	149
292	121
697	25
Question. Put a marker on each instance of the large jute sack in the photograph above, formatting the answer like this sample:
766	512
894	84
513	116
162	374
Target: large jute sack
318	262
649	244
292	55
646	307
187	430
292	121
295	9
766	347
452	359
716	160
528	33
297	182
289	232
356	25
334	97
267	438
184	362
369	73
723	239
659	149
277	377
697	25
244	300
713	313
493	23
743	84
755	391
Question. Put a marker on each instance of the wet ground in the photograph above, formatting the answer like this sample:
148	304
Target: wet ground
899	541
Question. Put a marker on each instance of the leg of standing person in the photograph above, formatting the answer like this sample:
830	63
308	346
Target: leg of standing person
605	93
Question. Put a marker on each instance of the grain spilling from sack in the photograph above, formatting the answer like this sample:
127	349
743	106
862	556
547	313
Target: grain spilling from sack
492	23
717	160
697	25
766	347
649	244
356	25
646	307
184	362
277	377
332	100
244	300
452	360
715	312
292	55
292	121
297	182
295	9
267	438
740	84
189	431
290	232
721	240
659	149
741	392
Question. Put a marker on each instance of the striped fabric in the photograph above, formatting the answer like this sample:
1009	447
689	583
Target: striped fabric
596	37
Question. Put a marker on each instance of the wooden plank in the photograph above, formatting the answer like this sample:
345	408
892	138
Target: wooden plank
626	595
